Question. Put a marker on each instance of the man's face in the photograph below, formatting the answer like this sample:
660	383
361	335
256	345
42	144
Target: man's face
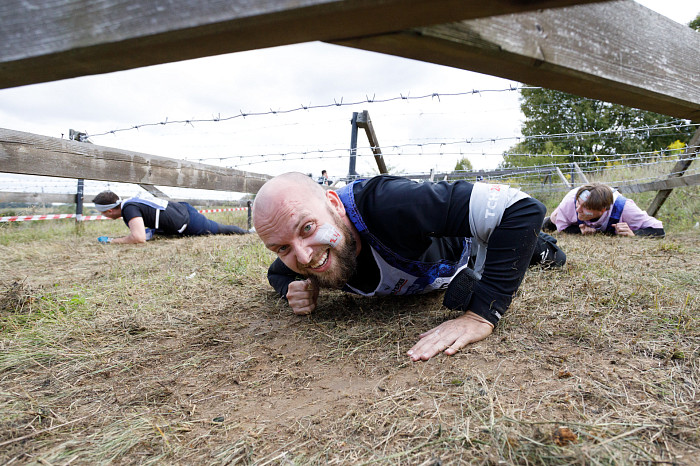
587	214
311	239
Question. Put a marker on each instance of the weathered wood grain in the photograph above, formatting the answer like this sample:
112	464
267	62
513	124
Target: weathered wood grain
31	154
616	51
56	39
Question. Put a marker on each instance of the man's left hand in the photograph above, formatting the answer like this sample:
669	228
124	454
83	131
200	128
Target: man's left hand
451	336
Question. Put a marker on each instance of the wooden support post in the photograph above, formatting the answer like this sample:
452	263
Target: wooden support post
580	173
691	151
154	191
563	178
364	122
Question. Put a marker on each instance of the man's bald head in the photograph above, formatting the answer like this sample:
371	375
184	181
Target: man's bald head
289	188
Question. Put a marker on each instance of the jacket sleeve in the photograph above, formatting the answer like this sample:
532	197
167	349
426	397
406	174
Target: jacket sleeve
659	232
508	256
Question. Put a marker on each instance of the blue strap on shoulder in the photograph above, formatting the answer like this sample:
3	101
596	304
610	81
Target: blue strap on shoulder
426	272
615	213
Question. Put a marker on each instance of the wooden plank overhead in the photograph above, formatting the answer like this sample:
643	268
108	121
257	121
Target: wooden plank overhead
58	39
30	154
617	51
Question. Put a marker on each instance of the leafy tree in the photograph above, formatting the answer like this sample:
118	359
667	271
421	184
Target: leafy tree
695	24
463	165
598	128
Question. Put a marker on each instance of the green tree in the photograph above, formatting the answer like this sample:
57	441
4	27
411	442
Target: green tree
464	165
695	24
557	122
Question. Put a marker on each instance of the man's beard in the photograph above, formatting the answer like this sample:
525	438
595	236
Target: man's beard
345	262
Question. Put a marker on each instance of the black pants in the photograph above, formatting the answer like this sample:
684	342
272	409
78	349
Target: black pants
546	252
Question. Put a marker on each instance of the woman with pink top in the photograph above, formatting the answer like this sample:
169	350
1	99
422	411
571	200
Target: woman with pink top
596	207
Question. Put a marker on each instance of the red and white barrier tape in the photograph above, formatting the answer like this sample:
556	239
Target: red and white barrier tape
25	218
222	210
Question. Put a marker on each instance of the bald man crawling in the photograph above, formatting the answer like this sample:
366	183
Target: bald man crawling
391	236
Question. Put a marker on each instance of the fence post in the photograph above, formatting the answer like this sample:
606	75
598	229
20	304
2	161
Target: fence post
250	215
79	201
573	175
582	175
364	122
563	178
80	137
79	196
352	174
679	169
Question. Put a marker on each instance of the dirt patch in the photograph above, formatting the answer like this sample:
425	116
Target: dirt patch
179	352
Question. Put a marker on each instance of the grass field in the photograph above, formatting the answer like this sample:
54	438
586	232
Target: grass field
179	352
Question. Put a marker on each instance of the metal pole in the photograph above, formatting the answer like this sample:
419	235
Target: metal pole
79	206
79	201
250	215
573	175
352	174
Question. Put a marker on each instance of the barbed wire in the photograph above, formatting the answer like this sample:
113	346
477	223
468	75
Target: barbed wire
346	152
529	172
341	103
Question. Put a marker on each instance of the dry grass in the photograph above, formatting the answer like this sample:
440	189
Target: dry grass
179	352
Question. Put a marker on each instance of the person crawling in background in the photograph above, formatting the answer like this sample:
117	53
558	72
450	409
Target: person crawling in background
595	208
146	216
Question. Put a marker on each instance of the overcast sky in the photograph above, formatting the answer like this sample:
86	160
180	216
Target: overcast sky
283	78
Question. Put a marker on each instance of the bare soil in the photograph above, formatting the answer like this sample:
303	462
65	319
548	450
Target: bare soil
179	352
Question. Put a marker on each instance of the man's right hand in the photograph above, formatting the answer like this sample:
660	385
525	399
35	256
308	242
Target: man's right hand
302	296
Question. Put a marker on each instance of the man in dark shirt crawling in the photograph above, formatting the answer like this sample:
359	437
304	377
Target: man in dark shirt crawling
148	215
389	235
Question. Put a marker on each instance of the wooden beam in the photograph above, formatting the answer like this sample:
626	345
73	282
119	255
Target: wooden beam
617	51
36	198
689	154
31	154
668	184
48	198
364	122
562	177
58	39
580	173
155	192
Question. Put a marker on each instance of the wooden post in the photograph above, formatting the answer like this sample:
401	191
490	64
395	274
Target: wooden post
679	169
580	173
352	173
154	191
563	178
364	122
